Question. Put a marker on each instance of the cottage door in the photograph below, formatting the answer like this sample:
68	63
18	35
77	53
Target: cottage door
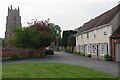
96	52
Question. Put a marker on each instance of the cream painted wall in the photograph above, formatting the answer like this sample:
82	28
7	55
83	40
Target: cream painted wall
100	37
110	28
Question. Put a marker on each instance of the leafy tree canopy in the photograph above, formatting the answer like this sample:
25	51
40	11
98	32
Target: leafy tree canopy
66	35
55	29
71	40
36	36
41	26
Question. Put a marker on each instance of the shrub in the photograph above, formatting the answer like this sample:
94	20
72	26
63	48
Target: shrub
15	57
77	52
83	54
88	55
107	58
28	37
69	51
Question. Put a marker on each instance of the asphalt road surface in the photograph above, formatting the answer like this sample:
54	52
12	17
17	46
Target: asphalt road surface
62	57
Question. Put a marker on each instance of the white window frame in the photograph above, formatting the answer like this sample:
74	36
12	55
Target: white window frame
87	35
94	33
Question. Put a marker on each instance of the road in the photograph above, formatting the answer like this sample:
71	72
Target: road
62	57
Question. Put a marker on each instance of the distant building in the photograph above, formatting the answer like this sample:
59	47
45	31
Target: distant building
13	19
94	36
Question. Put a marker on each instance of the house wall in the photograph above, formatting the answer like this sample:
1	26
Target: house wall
77	43
97	46
115	22
0	48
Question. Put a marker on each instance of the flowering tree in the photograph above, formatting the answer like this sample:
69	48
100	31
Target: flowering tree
41	26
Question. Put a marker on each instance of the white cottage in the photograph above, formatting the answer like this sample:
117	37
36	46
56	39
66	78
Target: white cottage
93	37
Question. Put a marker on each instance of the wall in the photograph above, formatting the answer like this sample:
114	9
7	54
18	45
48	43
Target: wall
115	22
22	52
0	47
100	37
88	45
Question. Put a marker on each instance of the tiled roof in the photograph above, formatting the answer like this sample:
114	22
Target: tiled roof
101	20
116	34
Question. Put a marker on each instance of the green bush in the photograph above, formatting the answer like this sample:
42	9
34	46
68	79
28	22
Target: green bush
77	52
15	57
107	58
68	50
28	37
83	54
88	55
80	53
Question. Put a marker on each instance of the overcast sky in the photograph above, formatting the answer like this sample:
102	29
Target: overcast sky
68	14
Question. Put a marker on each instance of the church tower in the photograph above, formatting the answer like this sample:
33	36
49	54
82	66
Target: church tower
12	20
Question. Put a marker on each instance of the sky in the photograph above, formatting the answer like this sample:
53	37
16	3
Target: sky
68	14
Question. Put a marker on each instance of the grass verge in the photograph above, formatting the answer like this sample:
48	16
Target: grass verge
49	70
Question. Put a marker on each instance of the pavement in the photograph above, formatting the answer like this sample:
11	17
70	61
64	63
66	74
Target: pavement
62	57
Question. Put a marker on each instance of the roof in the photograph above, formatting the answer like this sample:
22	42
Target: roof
116	34
101	20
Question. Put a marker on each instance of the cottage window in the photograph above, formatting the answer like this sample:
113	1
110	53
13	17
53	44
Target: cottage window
81	36
89	49
95	33
87	35
105	33
77	38
102	49
93	47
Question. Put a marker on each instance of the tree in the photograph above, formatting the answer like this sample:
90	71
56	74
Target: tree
71	42
60	42
44	31
24	37
3	43
36	36
55	29
66	35
41	26
56	32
